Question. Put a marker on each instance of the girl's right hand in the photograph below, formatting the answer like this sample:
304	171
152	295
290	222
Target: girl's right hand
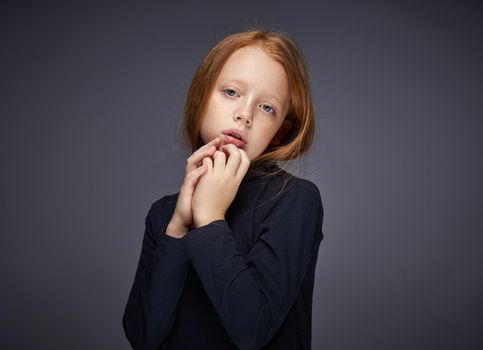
182	218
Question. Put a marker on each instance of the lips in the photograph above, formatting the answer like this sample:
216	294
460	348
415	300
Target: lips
234	136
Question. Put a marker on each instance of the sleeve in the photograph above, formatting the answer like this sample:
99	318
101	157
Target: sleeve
253	295
151	308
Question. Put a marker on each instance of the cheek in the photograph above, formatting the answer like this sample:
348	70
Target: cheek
268	126
207	123
216	107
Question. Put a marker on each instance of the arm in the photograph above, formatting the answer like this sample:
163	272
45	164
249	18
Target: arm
253	295
151	308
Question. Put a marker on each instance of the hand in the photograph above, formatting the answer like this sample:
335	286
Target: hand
218	186
182	218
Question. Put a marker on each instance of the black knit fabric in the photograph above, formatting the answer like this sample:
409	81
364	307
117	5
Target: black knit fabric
245	282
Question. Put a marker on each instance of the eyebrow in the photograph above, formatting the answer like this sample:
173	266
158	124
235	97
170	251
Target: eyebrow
241	82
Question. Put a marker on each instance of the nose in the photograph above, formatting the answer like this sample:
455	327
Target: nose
244	116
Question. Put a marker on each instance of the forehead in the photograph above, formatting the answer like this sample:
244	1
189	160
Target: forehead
253	67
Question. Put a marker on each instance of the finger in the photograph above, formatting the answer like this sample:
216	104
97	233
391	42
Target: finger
206	150
215	142
195	160
191	179
209	164
233	160
219	162
244	165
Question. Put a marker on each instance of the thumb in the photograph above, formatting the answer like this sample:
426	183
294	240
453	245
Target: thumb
193	177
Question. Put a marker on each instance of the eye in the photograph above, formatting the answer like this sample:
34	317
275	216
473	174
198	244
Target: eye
229	92
269	109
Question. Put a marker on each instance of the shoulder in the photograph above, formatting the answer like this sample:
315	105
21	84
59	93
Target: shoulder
160	211
297	204
163	204
303	192
290	192
289	185
169	198
306	187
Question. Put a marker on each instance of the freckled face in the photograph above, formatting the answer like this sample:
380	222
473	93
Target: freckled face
251	94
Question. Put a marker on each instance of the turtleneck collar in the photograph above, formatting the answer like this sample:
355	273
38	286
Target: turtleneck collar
258	170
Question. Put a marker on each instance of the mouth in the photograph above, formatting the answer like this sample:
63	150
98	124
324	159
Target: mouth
235	137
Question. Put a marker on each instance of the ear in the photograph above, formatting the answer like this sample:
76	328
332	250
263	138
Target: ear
286	126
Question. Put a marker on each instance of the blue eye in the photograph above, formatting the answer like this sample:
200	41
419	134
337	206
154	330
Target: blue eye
270	110
229	92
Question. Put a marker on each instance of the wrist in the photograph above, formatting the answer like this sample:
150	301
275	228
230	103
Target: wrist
208	219
175	230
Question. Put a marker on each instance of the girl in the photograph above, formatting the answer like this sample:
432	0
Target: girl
229	261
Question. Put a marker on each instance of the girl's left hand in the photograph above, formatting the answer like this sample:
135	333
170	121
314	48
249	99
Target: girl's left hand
218	186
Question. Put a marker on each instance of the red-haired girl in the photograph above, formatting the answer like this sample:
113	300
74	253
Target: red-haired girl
228	262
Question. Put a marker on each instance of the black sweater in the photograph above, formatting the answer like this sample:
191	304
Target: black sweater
245	282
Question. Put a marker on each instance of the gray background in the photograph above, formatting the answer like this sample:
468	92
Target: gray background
91	99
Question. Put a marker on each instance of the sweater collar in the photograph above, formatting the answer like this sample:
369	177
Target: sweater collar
258	170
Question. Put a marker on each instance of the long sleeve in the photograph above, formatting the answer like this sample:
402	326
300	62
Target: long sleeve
151	307
252	295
